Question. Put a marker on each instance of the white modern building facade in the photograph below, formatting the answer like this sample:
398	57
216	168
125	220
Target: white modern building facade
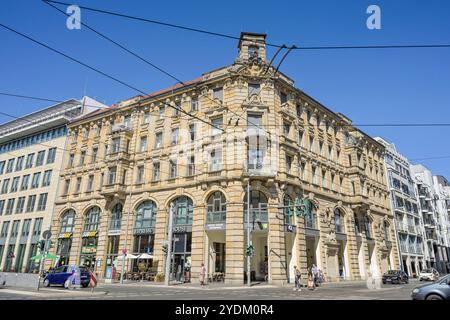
31	151
405	207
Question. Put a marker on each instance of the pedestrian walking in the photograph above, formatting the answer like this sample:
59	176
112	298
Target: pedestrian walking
315	274
298	277
311	284
202	275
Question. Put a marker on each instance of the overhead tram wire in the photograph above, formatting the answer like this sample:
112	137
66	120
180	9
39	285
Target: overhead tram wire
100	72
228	36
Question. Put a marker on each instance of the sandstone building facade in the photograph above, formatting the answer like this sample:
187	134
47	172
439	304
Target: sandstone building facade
247	127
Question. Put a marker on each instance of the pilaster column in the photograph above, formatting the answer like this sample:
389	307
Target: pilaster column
276	245
235	246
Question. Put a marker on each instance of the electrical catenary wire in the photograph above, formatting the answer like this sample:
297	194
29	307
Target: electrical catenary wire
228	36
99	71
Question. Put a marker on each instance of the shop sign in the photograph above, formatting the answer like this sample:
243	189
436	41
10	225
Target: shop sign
65	235
182	229
88	249
289	228
88	234
138	231
113	232
215	226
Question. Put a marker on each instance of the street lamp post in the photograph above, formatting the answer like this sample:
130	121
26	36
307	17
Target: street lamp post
169	247
126	239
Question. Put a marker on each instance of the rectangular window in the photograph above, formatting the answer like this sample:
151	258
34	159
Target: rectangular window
90	183
20	204
254	120
302	170
5	186
78	185
332	181
174	137
324	179
162	110
51	155
112	175
71	160
283	97
218	93
5	229
172	169
40	158
15	184
146	118
37	227
10	166
42	203
31	202
26	227
177	110
47	177
10	206
217	125
82	157
29	162
289	164
192	132
19	163
143	144
156	171
35	181
127	121
253	88
298	109
286	129
216	160
314	175
2	206
66	187
15	228
115	147
94	154
194	105
140	174
2	167
191	166
158	140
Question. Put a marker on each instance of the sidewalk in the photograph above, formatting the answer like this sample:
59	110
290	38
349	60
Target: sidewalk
52	292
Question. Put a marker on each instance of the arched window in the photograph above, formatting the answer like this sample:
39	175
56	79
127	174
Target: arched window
184	211
217	208
146	215
116	217
92	220
311	220
287	201
67	221
258	207
339	221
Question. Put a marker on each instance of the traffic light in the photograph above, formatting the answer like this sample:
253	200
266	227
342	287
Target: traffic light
50	244
250	250
164	249
41	245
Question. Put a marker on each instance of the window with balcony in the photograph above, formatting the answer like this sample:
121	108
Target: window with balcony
115	145
146	118
127	121
216	160
254	121
216	208
217	125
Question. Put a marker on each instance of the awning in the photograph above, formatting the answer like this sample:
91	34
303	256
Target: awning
145	256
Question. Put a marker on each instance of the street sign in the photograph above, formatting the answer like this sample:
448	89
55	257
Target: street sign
47	234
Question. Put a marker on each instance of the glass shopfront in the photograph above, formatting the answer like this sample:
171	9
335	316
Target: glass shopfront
112	251
144	238
89	239
65	237
182	239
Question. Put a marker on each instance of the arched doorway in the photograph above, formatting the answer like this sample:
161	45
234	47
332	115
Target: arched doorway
65	237
259	223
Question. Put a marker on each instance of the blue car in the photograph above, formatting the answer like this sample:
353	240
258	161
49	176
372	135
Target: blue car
438	290
62	276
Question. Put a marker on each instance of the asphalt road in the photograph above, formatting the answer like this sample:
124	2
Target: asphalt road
145	291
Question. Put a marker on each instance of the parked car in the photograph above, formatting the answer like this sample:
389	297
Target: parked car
395	276
62	276
429	274
438	290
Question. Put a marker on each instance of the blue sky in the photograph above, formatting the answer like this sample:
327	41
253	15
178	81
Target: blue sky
369	86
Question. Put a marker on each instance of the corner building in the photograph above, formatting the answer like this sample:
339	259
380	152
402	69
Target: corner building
129	163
